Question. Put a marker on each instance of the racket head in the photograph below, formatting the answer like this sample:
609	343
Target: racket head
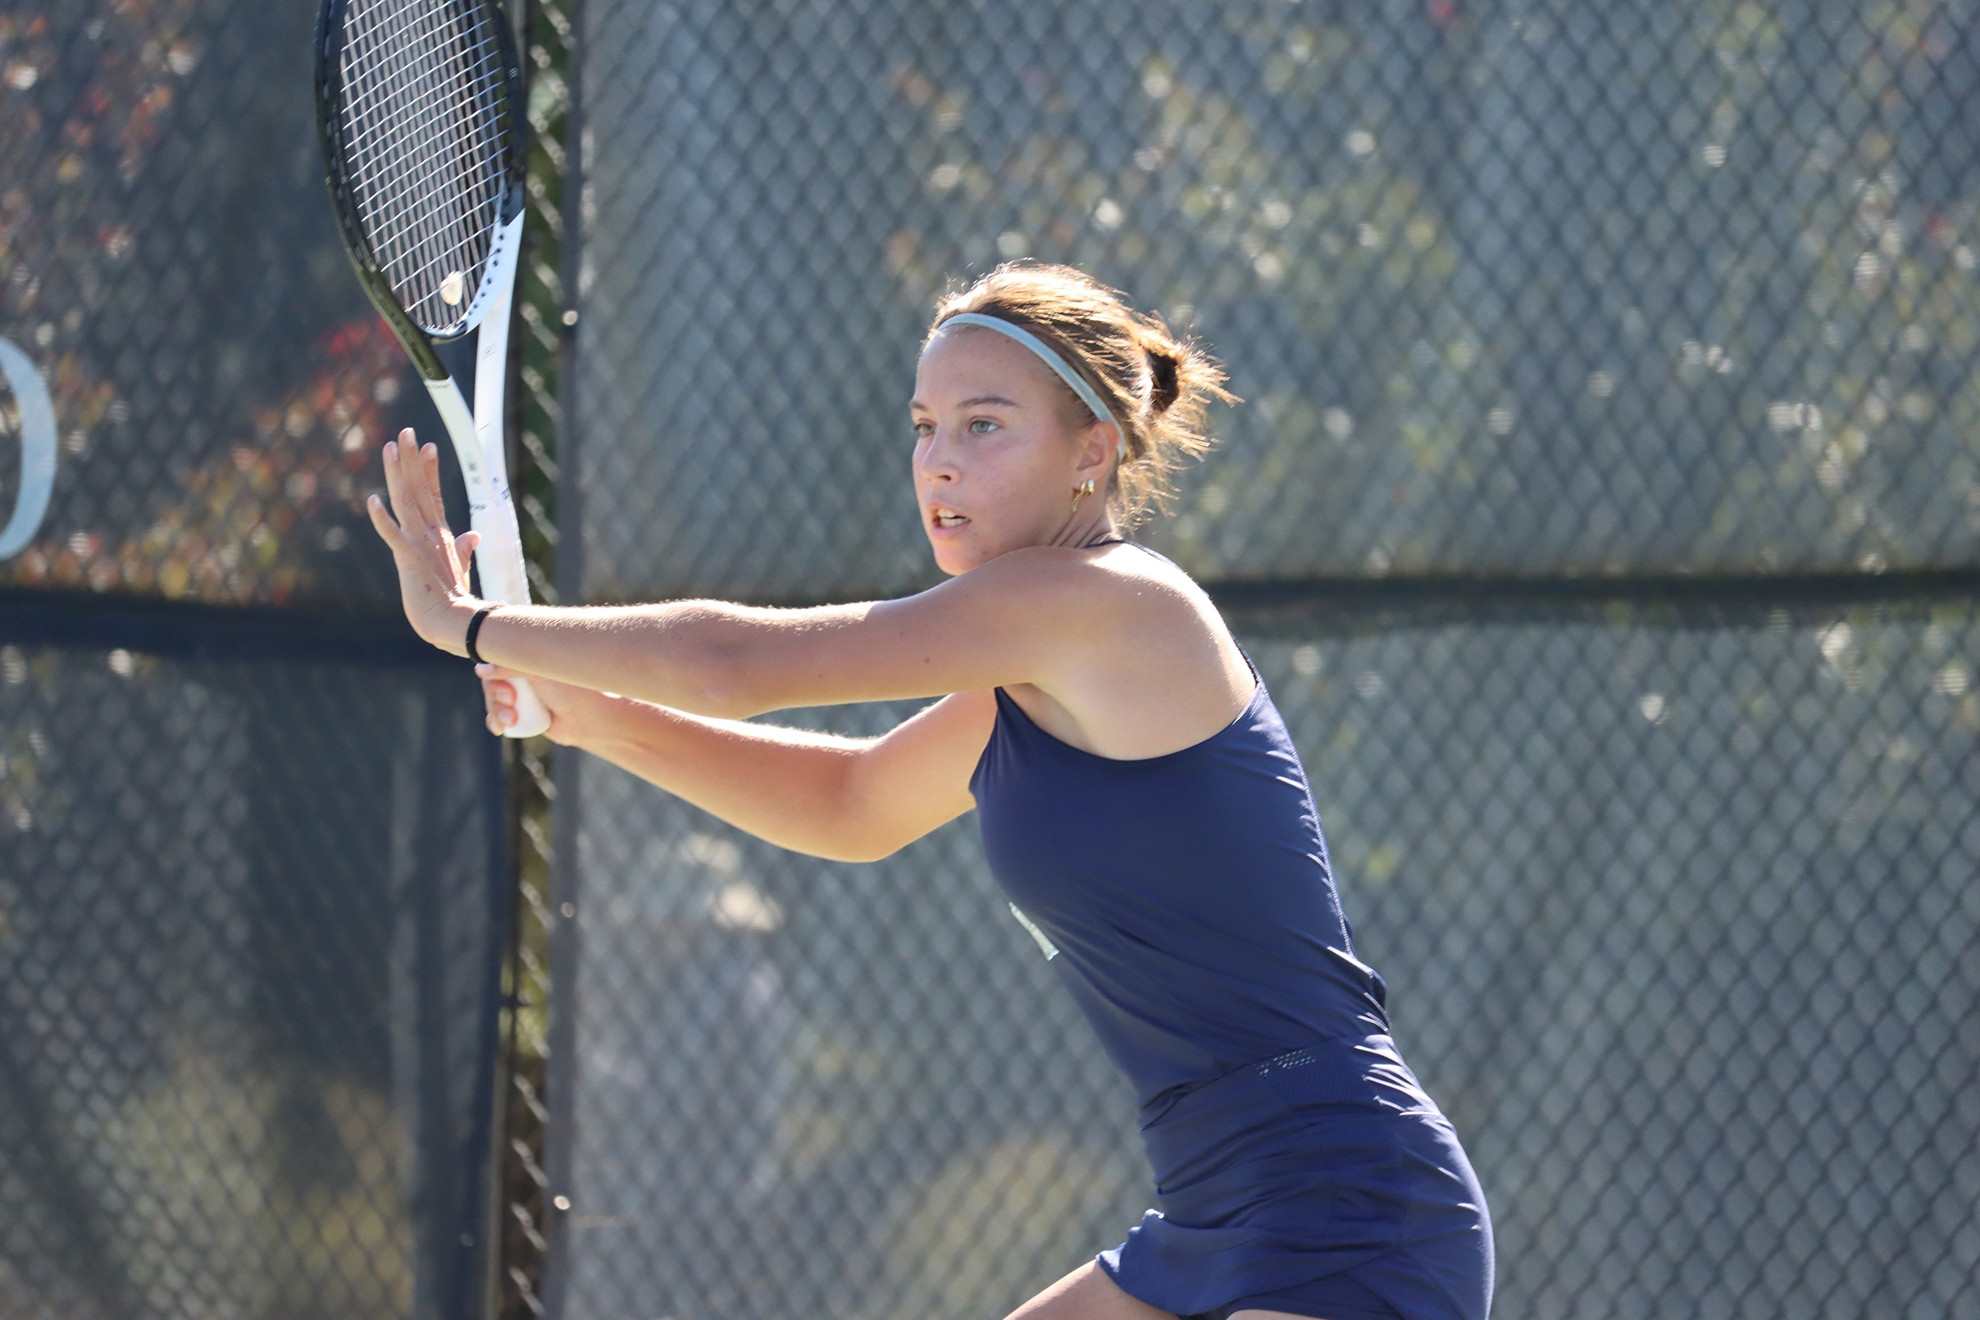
420	115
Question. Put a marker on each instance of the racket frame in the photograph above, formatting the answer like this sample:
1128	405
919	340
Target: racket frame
478	435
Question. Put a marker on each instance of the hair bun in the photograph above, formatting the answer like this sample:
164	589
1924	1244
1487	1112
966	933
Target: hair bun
1162	370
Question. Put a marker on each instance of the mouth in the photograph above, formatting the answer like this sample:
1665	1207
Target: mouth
945	519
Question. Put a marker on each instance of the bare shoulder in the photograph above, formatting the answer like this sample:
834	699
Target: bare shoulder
1114	577
1152	577
1061	597
1143	598
1157	669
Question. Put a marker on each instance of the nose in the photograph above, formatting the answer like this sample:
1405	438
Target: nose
935	457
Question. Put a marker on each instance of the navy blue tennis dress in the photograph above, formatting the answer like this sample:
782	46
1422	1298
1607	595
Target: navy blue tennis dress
1187	902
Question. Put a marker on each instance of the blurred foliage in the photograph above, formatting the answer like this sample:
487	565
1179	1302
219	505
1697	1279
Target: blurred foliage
1753	184
1545	290
167	260
252	523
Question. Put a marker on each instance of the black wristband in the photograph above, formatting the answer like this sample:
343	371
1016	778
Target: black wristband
474	626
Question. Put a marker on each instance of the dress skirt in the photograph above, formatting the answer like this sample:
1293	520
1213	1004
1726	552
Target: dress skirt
1322	1183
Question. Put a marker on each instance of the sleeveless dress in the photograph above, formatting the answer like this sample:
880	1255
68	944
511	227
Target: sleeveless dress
1189	907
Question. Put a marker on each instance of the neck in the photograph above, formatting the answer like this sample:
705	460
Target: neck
1080	531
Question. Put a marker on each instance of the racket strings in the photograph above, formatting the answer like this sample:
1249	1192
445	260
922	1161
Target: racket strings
416	122
430	227
416	211
425	116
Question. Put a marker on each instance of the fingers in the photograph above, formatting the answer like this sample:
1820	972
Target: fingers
395	486
418	485
404	480
464	547
382	522
412	486
500	695
406	484
427	463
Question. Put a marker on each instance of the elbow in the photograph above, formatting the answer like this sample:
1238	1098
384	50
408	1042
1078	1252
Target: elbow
731	661
858	832
711	679
860	850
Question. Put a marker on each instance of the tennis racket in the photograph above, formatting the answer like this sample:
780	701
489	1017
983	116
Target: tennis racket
419	108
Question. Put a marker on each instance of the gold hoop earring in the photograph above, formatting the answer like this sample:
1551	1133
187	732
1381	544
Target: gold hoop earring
1081	491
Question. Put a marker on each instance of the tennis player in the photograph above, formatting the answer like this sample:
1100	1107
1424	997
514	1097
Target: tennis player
1138	794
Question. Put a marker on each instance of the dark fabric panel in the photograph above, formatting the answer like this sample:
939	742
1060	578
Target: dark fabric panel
251	921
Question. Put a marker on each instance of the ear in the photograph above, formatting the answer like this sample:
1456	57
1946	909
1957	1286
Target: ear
1097	447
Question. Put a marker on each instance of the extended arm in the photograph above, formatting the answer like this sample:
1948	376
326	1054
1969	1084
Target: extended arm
1128	657
849	799
1028	617
723	659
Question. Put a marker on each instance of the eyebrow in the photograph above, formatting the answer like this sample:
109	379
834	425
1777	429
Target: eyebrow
981	400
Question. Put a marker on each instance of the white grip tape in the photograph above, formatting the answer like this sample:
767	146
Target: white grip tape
499	556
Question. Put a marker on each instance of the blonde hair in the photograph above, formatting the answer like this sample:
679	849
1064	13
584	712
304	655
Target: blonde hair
1156	385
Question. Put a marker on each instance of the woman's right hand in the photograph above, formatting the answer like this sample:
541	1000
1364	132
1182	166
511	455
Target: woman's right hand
574	711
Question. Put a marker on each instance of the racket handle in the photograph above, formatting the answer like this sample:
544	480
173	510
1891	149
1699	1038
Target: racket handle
532	717
499	556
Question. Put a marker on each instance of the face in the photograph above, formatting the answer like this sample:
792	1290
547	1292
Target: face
999	447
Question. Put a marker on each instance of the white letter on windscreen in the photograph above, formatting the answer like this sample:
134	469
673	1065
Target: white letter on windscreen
37	413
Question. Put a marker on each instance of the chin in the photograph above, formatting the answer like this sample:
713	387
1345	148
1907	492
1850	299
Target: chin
955	560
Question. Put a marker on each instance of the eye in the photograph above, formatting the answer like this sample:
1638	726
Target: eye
922	430
982	426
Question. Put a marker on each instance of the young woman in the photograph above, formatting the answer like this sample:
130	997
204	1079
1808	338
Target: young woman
1139	798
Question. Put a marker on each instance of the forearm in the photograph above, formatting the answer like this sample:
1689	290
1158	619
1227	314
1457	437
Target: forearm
1018	619
706	657
787	786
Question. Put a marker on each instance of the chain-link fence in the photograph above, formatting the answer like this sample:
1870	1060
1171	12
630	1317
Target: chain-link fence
1670	877
1538	289
248	936
169	266
549	32
252	898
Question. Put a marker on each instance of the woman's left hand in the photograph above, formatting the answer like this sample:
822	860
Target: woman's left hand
432	561
575	713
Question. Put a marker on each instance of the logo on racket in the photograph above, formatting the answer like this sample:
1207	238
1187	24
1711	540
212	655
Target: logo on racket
37	413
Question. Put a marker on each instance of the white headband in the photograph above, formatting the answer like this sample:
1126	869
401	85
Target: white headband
1087	394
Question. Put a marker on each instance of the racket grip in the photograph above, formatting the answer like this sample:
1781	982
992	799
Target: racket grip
532	716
